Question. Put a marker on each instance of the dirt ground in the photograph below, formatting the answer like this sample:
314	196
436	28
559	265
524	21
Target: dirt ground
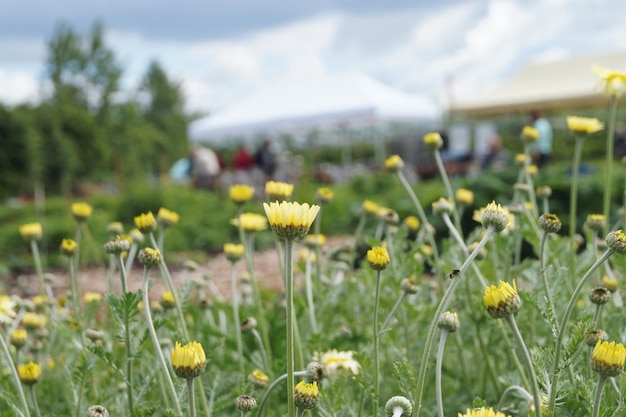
217	269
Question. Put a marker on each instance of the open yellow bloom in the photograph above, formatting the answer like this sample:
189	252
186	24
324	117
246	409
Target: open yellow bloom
7	309
29	373
464	196
291	220
378	257
394	163
241	193
482	412
412	223
612	81
188	361
81	211
586	125
501	301
276	190
250	222
31	231
307	395
167	217
530	134
608	358
145	222
258	378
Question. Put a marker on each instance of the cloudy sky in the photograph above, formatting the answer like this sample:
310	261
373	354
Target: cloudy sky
223	50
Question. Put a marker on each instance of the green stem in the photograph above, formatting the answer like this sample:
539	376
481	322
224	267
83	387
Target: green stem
597	397
383	328
529	180
192	397
446	181
608	167
129	366
123	279
259	342
235	301
443	305
529	363
110	272
563	326
155	340
425	223
442	344
291	407
132	252
376	346
573	201
309	293
33	398
274	385
37	258
18	383
542	267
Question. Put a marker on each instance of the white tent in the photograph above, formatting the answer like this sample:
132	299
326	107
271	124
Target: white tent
291	107
546	86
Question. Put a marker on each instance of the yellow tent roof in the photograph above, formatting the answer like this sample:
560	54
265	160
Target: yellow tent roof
546	86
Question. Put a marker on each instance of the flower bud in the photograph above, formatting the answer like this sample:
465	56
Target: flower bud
550	222
449	321
600	295
245	403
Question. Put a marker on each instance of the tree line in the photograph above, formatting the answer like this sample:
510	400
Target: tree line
86	128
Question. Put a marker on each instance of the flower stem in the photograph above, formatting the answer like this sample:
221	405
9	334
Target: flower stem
129	366
608	167
597	397
529	363
235	301
274	385
120	262
155	340
291	407
33	398
392	312
192	397
446	182
573	201
259	341
18	383
442	344
542	267
37	258
309	293
563	326
376	346
443	305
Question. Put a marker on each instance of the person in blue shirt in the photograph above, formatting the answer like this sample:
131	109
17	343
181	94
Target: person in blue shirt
542	149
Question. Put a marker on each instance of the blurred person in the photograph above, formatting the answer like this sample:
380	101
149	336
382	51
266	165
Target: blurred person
541	151
205	167
265	159
242	159
496	159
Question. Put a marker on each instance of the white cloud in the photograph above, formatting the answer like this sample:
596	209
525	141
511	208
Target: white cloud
18	88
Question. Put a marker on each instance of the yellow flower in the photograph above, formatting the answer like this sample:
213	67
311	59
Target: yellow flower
464	196
306	395
33	321
482	412
241	193
167	300
251	222
188	361
612	81
494	215
167	217
7	309
145	222
324	195
433	140
29	373
609	283
530	134
81	211
258	378
532	170
520	159
233	251
608	358
69	247
291	220
91	297
149	257
616	240
378	257
394	163
276	190
369	207
19	338
586	125
412	223
31	231
501	301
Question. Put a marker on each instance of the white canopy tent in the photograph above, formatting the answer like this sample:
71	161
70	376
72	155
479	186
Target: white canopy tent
545	86
295	107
